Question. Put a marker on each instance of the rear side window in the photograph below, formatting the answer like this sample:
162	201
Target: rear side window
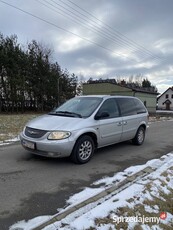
127	106
140	108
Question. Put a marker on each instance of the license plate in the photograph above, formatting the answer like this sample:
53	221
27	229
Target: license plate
28	144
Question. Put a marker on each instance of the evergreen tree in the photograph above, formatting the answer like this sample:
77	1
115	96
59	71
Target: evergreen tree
29	80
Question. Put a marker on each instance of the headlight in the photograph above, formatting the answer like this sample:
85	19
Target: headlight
58	135
24	129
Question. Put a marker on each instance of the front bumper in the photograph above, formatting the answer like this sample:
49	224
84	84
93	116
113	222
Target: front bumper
49	148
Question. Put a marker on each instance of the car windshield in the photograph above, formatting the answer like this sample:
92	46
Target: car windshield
79	107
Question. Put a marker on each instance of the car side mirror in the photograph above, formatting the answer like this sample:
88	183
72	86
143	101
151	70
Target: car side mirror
101	116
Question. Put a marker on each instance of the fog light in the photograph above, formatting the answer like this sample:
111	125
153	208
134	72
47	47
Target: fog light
54	154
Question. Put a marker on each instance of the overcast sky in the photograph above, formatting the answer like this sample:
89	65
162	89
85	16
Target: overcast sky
99	38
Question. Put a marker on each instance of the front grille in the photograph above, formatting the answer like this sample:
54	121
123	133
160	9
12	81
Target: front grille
34	133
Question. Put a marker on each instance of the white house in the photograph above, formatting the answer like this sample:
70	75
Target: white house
165	100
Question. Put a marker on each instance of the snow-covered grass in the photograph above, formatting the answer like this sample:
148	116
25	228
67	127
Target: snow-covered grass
161	116
164	111
12	125
146	203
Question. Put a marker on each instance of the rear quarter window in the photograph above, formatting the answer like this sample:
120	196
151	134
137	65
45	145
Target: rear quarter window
140	108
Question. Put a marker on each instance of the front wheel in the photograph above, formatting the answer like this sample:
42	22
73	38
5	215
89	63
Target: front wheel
139	137
83	150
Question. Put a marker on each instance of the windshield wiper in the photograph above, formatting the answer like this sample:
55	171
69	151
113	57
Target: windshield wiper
66	113
70	113
52	113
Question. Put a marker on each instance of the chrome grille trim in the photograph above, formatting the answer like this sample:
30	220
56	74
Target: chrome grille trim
34	133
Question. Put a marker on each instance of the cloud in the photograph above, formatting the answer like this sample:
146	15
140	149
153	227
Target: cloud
106	38
165	45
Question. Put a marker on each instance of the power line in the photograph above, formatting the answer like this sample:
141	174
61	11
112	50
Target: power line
61	28
75	19
119	34
52	24
101	34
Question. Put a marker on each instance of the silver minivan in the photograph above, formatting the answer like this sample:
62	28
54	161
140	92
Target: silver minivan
85	123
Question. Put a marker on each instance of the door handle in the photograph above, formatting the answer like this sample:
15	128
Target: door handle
119	124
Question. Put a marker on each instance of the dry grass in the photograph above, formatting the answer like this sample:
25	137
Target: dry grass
12	125
157	205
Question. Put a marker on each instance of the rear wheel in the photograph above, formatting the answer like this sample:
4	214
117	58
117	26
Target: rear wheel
139	137
83	150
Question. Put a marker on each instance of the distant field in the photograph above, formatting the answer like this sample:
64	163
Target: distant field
12	125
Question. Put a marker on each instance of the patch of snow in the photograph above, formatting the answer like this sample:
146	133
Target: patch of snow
83	195
28	225
8	141
164	111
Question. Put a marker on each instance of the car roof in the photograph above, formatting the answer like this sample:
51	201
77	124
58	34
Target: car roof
107	96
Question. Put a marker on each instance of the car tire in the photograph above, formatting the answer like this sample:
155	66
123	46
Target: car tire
139	137
83	150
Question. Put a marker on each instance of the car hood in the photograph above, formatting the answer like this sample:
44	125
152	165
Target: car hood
54	122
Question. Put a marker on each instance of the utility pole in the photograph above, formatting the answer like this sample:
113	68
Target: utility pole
58	88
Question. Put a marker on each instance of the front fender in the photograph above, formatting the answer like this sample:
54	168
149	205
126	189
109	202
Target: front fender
76	134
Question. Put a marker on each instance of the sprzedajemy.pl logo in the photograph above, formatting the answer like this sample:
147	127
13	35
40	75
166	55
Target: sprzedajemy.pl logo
139	219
